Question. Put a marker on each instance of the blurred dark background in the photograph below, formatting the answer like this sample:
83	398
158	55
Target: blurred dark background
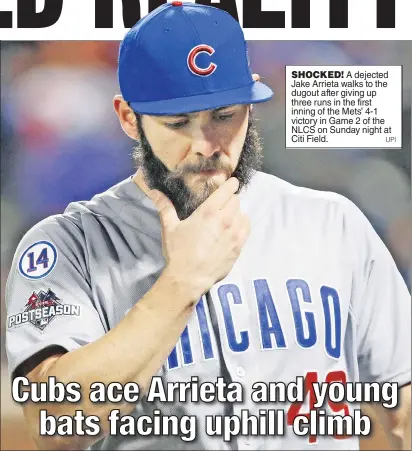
61	142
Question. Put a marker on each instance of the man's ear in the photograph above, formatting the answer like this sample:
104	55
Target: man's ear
127	117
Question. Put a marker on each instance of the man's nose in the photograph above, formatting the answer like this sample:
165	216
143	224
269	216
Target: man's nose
205	142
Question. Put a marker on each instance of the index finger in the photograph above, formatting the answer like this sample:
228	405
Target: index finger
219	197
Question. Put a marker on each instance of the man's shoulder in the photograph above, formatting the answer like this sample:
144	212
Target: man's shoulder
69	225
306	212
107	203
279	192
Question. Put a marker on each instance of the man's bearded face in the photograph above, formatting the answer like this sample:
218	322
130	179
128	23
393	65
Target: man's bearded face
172	182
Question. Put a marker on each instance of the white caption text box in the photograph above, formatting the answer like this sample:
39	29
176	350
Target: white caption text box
344	107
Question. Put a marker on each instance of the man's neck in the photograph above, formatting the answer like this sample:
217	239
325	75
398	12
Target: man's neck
138	178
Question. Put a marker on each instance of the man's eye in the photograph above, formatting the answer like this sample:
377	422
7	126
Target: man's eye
176	125
225	117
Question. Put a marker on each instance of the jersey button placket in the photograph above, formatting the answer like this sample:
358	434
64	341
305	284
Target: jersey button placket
240	372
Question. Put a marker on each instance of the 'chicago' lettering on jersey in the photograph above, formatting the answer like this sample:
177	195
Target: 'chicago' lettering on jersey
272	335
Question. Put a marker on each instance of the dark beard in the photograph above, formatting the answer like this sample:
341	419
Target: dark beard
171	183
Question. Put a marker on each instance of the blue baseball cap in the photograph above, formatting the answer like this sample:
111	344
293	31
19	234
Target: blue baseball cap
186	57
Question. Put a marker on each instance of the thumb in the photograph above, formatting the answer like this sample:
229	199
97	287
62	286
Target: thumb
167	211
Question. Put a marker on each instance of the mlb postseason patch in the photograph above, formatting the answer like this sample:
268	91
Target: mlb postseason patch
38	260
40	309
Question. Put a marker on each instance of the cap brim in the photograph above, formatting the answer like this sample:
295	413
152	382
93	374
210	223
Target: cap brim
256	92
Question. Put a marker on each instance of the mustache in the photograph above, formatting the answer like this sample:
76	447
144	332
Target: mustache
213	163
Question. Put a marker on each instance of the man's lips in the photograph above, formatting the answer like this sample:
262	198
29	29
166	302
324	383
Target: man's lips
211	171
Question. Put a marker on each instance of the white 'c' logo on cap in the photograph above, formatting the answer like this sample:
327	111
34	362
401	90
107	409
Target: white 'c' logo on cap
191	60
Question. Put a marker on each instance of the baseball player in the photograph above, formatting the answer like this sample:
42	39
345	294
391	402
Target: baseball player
201	265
